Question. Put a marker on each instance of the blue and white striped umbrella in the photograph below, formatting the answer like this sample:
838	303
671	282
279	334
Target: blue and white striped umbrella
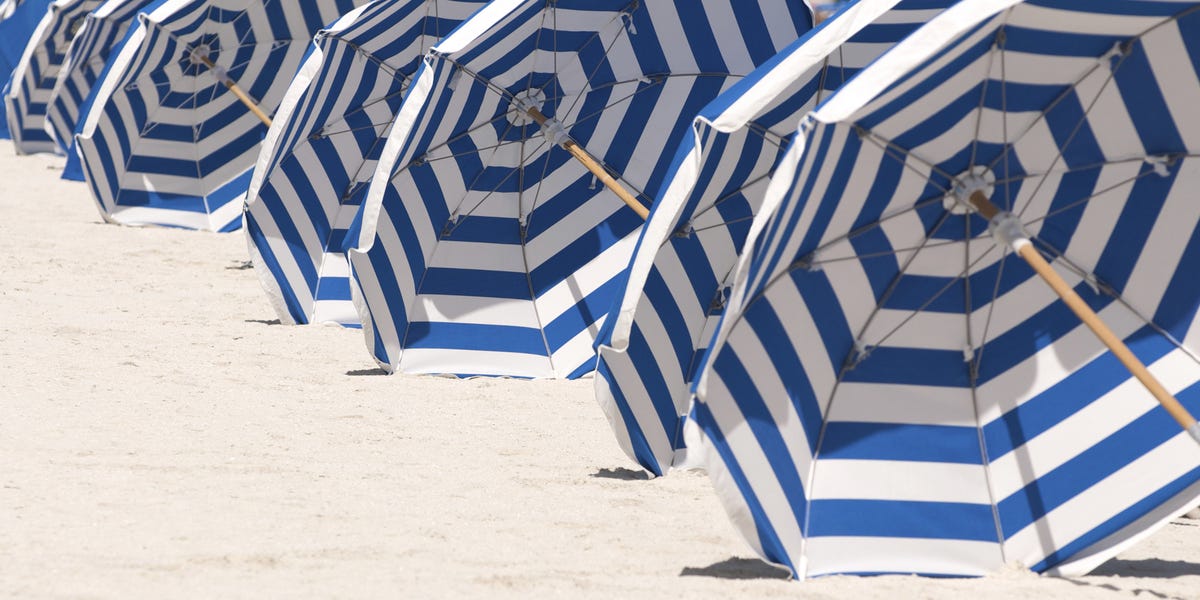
19	20
28	95
7	7
891	389
679	277
486	247
323	147
100	35
165	141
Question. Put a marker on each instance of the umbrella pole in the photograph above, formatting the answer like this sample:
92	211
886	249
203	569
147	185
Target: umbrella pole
237	90
1016	238
591	164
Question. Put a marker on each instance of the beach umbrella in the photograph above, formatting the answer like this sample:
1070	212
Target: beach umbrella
175	124
679	276
7	7
98	37
28	95
20	19
321	152
509	195
894	387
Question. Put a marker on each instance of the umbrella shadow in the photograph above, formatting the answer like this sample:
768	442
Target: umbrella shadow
264	321
1153	568
738	568
366	372
621	473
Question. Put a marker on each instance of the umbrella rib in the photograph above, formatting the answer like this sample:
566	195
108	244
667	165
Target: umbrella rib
475	181
889	146
383	66
885	253
782	144
1062	148
977	355
588	78
867	228
196	131
369	126
847	364
462	217
1089	198
825	74
1108	290
476	150
973	377
524	225
422	159
887	293
982	99
1128	44
655	80
538	192
532	56
554	42
425	21
912	314
732	194
722	224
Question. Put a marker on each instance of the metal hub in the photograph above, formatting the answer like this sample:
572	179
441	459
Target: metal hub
198	54
519	106
978	179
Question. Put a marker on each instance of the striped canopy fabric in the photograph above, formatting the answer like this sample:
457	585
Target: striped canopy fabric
164	141
100	35
891	390
322	150
7	7
20	19
32	84
487	249
680	273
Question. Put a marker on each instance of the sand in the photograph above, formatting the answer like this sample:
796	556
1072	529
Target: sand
162	436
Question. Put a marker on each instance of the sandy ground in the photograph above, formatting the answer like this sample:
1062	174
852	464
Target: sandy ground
161	436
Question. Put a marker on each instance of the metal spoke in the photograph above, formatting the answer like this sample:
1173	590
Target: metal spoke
732	194
1106	289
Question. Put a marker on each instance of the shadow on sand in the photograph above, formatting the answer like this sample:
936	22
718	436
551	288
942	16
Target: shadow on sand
1156	568
621	473
737	568
366	372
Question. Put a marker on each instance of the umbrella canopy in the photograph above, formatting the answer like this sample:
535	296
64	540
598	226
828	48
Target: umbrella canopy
100	35
893	388
32	84
18	20
680	273
7	7
322	150
497	221
174	127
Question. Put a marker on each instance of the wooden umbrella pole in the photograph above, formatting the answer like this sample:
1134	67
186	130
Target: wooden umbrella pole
237	90
594	166
1024	248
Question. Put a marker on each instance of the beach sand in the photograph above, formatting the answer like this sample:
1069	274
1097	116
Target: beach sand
162	436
